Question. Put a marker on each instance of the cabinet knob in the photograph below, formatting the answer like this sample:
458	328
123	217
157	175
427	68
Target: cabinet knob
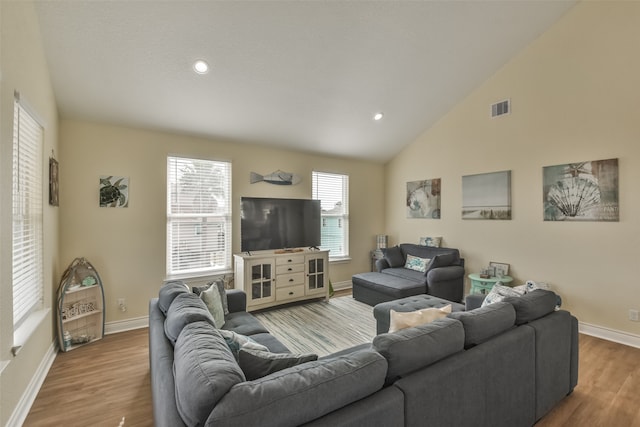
291	293
289	269
289	260
291	280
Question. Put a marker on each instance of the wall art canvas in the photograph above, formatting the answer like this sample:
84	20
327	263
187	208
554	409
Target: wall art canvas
114	192
54	198
583	191
487	196
423	199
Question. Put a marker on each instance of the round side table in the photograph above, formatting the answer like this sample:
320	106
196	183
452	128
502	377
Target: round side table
481	285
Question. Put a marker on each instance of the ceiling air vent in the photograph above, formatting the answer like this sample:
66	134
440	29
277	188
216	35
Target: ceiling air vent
500	108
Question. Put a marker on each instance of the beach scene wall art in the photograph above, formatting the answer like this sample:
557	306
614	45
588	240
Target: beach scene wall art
487	196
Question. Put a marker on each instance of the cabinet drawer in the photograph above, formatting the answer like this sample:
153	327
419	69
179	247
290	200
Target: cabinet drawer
290	292
288	269
289	279
293	259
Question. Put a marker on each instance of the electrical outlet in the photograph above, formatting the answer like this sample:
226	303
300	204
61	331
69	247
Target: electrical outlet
122	305
633	315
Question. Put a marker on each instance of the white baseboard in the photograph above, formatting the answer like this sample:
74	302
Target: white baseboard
126	325
21	411
339	286
620	337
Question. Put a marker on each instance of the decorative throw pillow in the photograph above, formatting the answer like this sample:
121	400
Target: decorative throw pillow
212	300
433	242
442	260
393	256
401	320
499	292
257	364
236	341
416	263
532	286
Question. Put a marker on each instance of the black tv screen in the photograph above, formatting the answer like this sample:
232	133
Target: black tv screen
267	223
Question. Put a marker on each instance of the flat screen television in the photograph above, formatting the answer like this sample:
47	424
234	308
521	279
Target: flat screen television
268	223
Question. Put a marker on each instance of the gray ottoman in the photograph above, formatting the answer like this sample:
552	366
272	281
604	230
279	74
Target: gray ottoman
374	288
412	303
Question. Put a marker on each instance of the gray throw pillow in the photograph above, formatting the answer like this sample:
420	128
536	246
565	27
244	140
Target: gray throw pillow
442	260
257	364
393	256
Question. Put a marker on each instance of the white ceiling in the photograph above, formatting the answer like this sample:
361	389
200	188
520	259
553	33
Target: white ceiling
307	75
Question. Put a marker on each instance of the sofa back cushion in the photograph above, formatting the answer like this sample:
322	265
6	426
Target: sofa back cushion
410	349
449	256
485	322
168	292
533	305
186	308
394	256
204	371
302	393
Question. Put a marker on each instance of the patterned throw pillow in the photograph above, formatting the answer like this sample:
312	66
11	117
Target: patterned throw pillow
500	292
431	241
416	263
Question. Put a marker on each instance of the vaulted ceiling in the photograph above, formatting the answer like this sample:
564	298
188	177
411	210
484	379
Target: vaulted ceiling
304	75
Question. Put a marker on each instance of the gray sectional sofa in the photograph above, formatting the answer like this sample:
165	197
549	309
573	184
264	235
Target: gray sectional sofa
443	276
506	364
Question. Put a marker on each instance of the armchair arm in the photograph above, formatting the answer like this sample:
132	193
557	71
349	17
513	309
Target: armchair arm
446	282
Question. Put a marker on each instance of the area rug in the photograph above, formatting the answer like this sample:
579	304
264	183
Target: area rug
321	327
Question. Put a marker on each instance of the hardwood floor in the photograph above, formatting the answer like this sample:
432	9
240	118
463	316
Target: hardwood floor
99	384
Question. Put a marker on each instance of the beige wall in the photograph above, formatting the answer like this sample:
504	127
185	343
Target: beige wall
23	68
575	97
127	245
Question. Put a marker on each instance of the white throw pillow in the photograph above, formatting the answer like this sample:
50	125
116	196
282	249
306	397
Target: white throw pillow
401	320
500	292
213	301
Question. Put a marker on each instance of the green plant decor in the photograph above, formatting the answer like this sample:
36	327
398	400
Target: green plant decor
331	291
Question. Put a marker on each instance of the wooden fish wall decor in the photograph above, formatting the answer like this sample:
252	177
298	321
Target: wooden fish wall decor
278	177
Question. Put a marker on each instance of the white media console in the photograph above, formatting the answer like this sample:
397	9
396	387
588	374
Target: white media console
271	278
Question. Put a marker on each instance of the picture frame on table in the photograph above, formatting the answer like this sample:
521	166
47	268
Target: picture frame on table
500	268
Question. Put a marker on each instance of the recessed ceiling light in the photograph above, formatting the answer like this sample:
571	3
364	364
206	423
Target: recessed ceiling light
201	67
378	116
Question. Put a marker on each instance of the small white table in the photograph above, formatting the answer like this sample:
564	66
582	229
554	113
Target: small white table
481	285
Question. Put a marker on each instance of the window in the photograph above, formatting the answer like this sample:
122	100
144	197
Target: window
198	216
27	219
333	192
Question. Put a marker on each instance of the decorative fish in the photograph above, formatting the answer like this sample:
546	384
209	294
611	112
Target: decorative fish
278	177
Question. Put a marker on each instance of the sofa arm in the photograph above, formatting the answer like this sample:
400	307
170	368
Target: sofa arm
446	282
237	300
381	264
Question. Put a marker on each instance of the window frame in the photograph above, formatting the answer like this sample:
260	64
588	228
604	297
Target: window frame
224	218
343	217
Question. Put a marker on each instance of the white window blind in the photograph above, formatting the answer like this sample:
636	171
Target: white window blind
333	192
27	248
198	216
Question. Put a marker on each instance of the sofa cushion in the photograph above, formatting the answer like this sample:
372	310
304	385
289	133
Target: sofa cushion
186	308
213	301
394	256
271	342
204	371
533	305
243	323
416	277
413	348
168	292
485	322
257	364
417	263
402	320
301	393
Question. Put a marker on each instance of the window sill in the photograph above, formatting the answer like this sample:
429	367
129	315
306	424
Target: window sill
340	260
24	331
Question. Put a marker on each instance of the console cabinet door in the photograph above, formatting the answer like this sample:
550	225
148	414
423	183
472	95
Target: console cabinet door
260	281
316	274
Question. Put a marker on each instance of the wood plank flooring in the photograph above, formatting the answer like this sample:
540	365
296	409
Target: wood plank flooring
99	384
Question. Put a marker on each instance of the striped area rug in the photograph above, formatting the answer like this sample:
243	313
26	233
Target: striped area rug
321	327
